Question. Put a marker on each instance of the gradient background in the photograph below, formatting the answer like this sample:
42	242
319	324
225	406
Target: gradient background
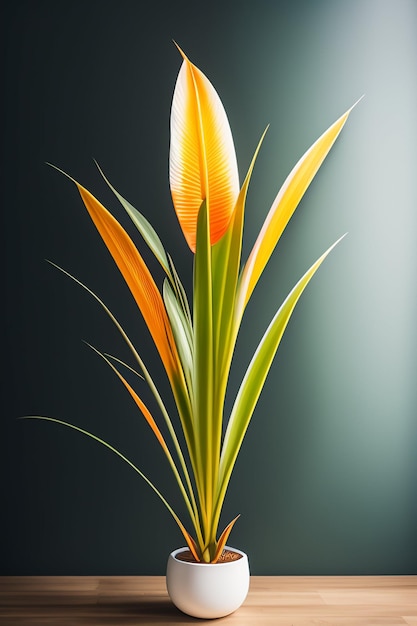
326	480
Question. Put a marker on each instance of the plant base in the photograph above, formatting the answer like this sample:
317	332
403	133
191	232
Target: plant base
207	590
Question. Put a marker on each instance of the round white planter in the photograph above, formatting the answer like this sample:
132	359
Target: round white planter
207	590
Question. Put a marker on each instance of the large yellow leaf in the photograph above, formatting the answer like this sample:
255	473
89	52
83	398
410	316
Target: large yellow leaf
202	157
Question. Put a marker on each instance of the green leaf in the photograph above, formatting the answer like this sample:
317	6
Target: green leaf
187	537
254	379
226	255
203	365
144	227
182	332
115	358
180	291
226	267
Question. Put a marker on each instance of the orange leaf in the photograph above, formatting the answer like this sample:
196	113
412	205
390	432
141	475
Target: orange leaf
223	539
190	541
143	409
137	277
203	162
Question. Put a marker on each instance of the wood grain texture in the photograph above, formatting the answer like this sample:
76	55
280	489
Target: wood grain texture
272	600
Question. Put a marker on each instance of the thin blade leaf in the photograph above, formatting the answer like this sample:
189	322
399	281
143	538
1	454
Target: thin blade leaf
131	369
182	331
203	363
255	376
190	541
226	267
226	255
144	227
180	291
283	208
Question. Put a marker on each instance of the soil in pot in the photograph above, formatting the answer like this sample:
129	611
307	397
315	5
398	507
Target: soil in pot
227	556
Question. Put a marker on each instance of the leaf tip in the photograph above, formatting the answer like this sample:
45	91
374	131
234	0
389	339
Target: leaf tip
182	53
58	169
354	105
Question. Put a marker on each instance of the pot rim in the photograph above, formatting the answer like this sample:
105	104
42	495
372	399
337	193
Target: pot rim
224	564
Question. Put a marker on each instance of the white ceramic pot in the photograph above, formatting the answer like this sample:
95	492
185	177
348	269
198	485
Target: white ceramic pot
207	590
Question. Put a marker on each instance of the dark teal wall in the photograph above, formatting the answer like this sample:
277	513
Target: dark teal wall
326	481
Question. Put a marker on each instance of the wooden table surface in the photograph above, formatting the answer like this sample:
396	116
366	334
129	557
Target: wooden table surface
272	600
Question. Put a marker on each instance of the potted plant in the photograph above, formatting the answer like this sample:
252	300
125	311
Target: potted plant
196	340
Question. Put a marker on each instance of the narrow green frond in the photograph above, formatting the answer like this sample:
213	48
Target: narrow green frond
226	268
144	227
187	537
180	291
255	377
182	332
117	360
203	365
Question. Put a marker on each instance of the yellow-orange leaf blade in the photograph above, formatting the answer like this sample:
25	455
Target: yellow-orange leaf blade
137	277
283	207
202	157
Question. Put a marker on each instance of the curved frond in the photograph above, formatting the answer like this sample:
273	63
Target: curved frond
188	538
